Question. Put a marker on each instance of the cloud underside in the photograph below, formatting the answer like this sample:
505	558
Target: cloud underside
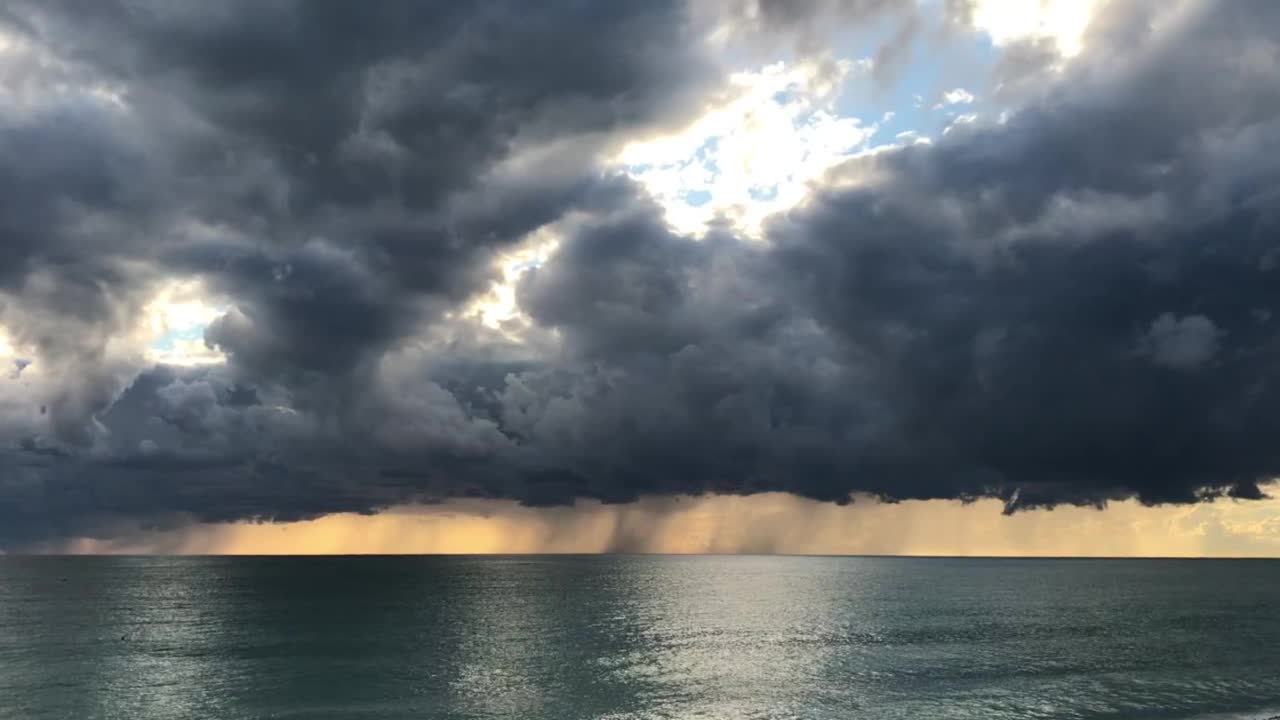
1072	305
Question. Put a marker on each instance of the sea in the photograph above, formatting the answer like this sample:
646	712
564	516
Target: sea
632	637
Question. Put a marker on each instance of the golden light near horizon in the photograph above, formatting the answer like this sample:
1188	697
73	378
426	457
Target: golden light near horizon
766	524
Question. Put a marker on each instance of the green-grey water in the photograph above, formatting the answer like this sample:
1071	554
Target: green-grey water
632	637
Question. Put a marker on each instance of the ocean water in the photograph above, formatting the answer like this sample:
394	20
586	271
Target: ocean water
632	637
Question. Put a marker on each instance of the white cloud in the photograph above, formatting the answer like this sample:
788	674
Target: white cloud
958	96
186	351
8	353
173	325
908	137
960	120
1063	21
497	308
753	154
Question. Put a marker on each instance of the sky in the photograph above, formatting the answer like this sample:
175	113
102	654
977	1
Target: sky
988	277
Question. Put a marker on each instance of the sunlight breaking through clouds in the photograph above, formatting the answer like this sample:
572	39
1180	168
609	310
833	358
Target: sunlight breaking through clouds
753	154
1062	21
498	308
175	322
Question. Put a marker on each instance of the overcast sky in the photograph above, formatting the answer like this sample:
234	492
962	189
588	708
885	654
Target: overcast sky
274	260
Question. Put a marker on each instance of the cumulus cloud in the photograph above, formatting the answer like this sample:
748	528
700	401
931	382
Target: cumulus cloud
957	96
312	162
1068	306
1182	344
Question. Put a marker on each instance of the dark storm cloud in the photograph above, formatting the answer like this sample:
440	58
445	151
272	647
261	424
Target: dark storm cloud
315	161
1073	305
337	174
688	376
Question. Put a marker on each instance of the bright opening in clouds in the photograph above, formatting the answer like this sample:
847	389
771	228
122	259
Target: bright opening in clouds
1061	21
176	321
753	153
